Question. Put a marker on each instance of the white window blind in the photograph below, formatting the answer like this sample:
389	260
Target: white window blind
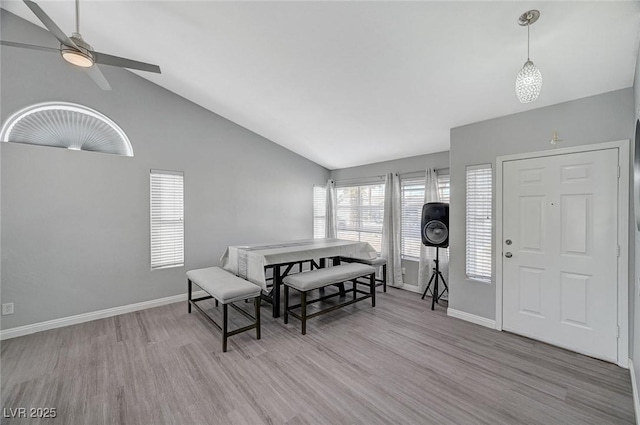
412	200
444	187
360	211
319	211
479	239
167	219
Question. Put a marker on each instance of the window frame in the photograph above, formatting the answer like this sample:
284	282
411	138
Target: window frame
360	230
84	129
473	269
154	244
320	213
442	175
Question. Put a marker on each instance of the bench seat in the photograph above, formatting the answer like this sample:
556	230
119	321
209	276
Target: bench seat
320	278
374	262
225	288
222	285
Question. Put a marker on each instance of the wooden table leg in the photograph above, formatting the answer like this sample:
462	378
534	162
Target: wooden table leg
277	281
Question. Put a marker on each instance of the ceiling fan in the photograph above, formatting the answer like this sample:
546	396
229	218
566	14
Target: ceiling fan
77	51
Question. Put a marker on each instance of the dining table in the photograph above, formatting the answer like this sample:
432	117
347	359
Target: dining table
251	262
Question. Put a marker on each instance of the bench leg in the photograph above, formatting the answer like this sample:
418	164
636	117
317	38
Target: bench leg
303	311
277	281
225	317
189	287
372	285
286	304
336	262
355	285
216	303
256	302
384	278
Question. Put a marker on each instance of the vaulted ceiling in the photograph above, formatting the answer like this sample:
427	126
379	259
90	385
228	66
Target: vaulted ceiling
350	83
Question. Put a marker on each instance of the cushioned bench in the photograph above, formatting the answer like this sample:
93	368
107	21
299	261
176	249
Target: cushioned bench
373	262
316	279
225	288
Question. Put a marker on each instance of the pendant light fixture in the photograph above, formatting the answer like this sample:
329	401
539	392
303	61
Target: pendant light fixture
529	80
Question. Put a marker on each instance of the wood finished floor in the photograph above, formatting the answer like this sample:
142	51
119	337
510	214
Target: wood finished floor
398	363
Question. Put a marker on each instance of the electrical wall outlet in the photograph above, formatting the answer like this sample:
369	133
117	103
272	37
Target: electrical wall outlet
7	309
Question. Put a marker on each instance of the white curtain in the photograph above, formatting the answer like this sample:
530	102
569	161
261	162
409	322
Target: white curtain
331	228
391	230
428	254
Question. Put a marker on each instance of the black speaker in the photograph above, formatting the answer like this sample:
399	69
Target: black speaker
435	224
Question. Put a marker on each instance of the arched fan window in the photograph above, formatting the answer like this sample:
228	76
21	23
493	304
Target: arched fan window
66	125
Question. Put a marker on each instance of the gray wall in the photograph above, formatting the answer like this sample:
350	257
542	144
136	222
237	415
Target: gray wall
353	175
436	160
75	225
602	118
636	278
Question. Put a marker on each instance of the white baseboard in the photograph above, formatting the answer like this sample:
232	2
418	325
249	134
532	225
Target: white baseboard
634	386
478	320
94	315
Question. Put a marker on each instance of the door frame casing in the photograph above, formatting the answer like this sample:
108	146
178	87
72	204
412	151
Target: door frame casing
623	233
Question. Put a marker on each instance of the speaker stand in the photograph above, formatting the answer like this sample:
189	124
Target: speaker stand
436	275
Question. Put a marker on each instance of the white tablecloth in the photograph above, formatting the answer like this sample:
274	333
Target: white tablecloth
249	261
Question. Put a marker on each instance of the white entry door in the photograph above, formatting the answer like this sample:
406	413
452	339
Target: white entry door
560	250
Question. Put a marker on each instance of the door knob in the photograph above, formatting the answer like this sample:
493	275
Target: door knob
508	255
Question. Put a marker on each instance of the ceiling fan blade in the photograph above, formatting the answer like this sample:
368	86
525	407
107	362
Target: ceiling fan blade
29	46
98	77
105	59
51	26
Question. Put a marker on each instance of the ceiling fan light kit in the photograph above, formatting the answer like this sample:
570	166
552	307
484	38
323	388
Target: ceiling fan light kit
77	58
81	56
78	52
529	79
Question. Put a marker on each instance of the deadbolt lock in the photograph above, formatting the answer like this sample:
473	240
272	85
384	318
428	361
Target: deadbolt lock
508	242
